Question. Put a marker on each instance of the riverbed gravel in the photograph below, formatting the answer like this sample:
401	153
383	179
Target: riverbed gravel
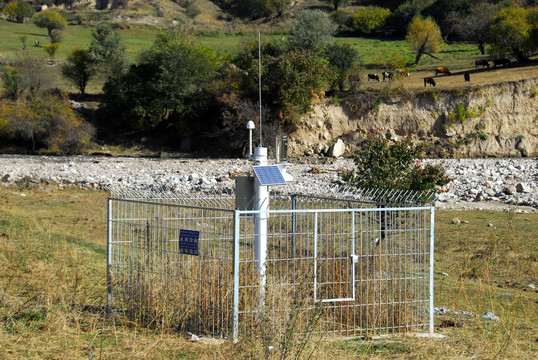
476	183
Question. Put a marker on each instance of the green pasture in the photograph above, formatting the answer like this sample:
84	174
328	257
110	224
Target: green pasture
374	53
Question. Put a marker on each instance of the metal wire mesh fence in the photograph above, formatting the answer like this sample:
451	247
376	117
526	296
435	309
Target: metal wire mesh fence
352	263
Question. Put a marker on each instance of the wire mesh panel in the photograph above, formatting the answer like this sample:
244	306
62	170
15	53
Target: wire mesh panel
154	278
353	271
350	265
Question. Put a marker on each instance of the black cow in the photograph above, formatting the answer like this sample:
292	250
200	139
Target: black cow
502	62
467	76
387	75
481	62
429	81
373	77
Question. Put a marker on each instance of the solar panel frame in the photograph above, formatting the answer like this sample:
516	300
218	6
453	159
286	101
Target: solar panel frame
269	175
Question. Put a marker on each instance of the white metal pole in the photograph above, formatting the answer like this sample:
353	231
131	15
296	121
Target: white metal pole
432	243
260	81
235	317
261	203
109	259
250	142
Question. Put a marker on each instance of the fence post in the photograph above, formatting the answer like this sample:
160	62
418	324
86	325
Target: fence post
235	316
109	259
432	241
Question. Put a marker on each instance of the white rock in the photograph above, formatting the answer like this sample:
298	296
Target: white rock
489	315
338	149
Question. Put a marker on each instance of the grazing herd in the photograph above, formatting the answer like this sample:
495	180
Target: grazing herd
442	70
388	75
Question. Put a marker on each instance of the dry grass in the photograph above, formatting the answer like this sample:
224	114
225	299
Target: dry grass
455	81
52	293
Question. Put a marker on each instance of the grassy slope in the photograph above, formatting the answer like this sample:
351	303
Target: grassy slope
52	293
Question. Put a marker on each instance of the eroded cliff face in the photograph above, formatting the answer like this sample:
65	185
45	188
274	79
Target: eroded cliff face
490	121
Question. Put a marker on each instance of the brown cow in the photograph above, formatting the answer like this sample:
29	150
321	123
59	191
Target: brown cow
402	72
442	70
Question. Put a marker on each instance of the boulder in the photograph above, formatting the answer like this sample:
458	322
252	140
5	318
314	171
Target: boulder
337	149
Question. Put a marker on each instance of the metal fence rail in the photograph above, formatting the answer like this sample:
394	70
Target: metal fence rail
344	265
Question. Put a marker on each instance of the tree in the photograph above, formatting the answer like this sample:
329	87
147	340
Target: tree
514	31
19	10
79	68
405	12
343	59
23	39
12	80
50	20
51	49
312	31
424	37
384	165
293	80
167	85
474	27
337	3
107	50
370	18
35	77
259	8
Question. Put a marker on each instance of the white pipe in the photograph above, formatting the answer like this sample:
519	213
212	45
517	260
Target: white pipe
261	202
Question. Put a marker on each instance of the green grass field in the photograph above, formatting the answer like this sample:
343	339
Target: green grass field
52	290
374	53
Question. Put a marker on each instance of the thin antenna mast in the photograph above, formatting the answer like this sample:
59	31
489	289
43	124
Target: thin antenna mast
260	81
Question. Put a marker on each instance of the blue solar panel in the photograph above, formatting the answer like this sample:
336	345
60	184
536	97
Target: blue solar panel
269	175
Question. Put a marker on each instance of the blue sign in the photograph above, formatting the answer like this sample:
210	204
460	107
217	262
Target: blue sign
188	241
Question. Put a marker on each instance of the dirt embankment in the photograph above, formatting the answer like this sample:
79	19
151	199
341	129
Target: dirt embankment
483	121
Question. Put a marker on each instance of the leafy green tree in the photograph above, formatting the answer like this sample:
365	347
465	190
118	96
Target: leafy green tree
475	26
343	59
51	49
370	18
107	50
380	164
312	31
50	20
12	80
293	80
337	3
79	68
514	31
424	37
19	10
167	85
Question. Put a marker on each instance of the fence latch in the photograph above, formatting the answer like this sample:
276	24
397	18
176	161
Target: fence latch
355	258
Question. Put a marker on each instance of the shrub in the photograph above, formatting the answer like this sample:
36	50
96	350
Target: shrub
384	165
12	82
47	122
370	18
193	11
